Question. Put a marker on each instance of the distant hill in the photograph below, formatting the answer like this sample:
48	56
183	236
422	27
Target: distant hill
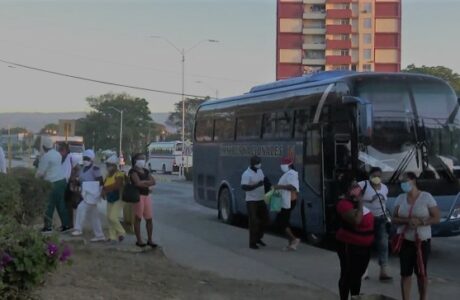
36	121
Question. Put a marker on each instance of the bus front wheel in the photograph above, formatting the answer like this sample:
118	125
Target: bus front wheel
225	209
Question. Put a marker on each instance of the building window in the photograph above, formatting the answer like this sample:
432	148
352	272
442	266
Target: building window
367	23
344	37
367	67
344	52
367	7
367	54
341	68
312	69
367	38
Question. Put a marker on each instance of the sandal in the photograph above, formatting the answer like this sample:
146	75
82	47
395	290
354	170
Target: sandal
142	245
152	245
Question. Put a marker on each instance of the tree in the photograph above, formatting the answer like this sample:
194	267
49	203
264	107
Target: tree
445	73
101	127
191	106
14	130
50	129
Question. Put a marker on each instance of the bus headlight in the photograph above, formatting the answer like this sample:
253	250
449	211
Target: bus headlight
455	214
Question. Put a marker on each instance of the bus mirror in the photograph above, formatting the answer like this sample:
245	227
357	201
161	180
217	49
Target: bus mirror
364	115
365	121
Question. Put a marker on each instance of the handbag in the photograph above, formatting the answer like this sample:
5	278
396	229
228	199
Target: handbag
397	239
275	201
130	192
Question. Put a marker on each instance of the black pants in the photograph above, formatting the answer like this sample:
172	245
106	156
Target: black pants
258	219
408	257
353	263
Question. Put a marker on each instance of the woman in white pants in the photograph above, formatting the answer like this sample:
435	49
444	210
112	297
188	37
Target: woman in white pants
91	181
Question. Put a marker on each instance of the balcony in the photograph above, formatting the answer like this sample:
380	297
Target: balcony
314	15
314	30
338	44
314	61
338	60
314	1
339	1
339	14
338	29
314	46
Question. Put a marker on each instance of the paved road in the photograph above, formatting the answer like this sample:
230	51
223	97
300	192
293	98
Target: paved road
191	235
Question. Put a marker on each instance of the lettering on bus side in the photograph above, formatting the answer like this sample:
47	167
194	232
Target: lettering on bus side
249	150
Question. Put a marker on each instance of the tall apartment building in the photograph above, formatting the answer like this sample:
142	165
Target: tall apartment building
359	35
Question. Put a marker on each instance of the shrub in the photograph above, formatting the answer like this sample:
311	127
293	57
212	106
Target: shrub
33	194
10	198
25	258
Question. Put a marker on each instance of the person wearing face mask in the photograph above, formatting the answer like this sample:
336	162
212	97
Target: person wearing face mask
143	180
288	185
91	182
354	238
252	182
415	212
49	168
113	183
375	195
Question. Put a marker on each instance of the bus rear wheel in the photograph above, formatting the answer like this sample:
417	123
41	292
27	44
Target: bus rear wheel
225	209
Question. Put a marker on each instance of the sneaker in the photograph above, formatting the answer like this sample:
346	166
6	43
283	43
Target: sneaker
121	238
254	247
77	233
98	239
294	244
260	242
65	229
46	230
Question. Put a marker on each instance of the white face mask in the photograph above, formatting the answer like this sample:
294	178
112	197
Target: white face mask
284	168
258	166
140	163
86	163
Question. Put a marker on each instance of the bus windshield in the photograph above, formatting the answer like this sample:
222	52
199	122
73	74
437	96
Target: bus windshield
406	114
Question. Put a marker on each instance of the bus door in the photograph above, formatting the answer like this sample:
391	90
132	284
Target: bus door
313	176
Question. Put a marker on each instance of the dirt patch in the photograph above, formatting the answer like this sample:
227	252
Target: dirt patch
101	272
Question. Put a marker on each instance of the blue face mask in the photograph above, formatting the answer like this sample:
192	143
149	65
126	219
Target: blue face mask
406	187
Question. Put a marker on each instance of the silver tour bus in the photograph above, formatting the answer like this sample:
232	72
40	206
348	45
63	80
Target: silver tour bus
332	123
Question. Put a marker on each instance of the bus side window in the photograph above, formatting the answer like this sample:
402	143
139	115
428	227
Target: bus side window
277	125
204	130
302	119
248	127
224	129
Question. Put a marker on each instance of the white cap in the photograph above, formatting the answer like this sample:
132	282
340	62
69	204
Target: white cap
47	142
112	160
90	154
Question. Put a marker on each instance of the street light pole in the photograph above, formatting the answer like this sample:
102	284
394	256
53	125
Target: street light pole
183	52
120	111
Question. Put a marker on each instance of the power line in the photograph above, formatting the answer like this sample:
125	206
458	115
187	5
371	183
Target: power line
96	80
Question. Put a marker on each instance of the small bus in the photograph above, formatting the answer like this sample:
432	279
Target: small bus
331	123
166	157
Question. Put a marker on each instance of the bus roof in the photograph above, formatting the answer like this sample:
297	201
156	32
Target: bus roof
298	83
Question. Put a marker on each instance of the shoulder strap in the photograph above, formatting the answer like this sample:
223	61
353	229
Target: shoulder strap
365	187
380	201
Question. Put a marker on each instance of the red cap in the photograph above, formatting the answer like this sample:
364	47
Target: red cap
287	161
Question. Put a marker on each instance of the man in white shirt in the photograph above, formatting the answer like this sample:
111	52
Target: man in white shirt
288	185
375	195
252	182
50	169
2	161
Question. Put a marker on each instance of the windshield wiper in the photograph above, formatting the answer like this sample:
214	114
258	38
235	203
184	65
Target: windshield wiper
452	116
404	163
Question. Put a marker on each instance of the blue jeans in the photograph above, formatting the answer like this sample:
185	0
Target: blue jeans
381	239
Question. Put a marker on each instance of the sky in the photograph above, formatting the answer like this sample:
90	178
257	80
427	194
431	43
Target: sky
111	40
